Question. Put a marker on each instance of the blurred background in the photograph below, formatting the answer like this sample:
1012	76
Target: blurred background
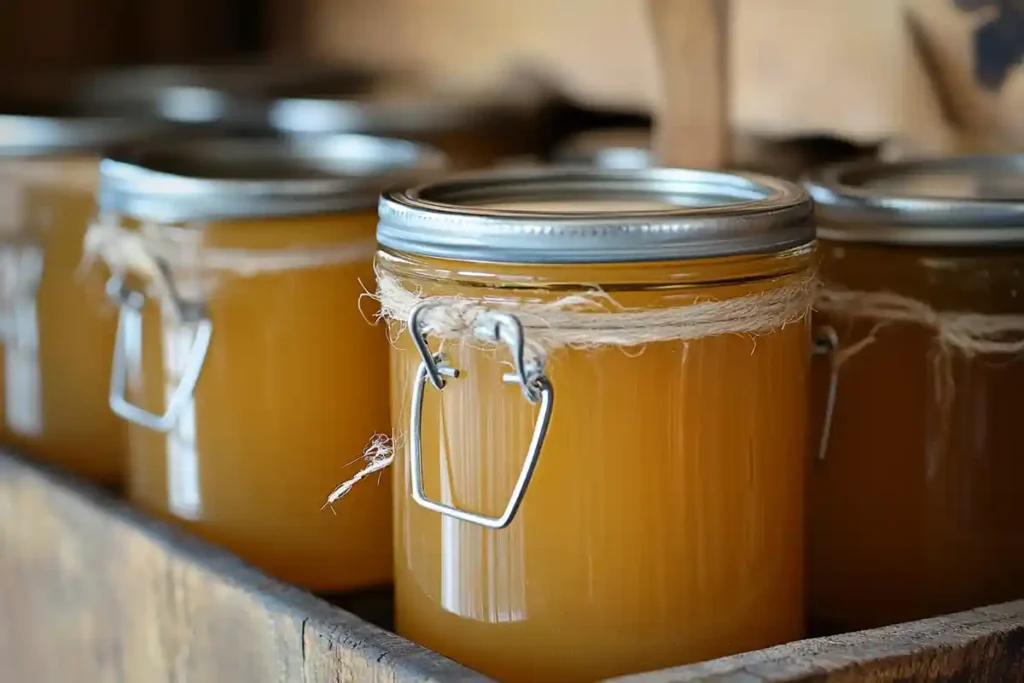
899	77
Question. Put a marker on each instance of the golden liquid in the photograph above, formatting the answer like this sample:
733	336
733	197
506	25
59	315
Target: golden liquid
916	510
294	383
55	358
664	523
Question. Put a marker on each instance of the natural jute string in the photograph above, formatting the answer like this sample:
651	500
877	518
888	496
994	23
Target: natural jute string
968	333
180	249
583	320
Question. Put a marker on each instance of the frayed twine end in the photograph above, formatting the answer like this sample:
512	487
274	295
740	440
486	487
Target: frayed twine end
378	454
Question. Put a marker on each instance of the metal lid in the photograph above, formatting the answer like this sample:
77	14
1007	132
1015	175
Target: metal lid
620	148
575	215
45	130
233	93
971	200
395	106
221	178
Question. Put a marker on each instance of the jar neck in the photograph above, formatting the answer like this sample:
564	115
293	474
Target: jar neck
607	276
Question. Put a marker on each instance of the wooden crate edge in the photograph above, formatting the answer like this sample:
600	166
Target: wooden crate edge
124	597
984	644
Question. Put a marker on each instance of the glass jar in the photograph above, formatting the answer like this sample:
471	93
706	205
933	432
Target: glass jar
631	147
915	499
473	129
55	325
243	363
651	514
230	96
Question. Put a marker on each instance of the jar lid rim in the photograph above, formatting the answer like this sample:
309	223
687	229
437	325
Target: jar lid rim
53	132
235	94
237	177
709	214
852	203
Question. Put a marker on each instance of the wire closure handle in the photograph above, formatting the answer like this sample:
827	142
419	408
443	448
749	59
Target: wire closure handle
500	327
129	337
826	342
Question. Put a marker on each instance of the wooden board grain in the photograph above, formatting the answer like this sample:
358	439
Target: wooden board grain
92	591
985	644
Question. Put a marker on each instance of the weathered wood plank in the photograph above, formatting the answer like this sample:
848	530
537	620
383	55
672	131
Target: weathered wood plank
985	644
90	590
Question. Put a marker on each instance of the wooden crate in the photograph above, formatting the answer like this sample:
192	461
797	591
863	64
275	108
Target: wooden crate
91	590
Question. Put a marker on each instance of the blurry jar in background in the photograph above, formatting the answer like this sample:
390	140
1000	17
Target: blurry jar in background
631	147
580	495
228	96
473	129
55	324
916	499
245	363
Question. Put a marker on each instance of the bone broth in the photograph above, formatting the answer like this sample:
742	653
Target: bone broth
612	482
243	362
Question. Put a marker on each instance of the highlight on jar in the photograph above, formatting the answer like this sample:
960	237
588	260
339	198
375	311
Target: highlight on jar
230	97
631	147
474	128
915	494
242	363
56	327
599	399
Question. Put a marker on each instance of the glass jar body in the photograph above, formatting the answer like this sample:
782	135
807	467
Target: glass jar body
914	510
292	384
664	522
57	327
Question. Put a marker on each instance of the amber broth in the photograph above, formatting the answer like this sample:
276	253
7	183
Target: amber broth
916	509
294	384
56	372
664	524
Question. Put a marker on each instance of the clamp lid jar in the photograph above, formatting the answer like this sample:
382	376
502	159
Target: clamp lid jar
53	321
243	364
571	342
922	273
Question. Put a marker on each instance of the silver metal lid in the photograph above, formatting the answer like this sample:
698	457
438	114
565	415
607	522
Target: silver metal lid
576	215
620	148
971	200
395	106
235	94
34	131
223	178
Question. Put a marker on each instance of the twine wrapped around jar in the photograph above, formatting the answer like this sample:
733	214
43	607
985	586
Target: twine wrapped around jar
967	333
583	320
154	252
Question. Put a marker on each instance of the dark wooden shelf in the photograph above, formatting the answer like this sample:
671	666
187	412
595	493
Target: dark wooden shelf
91	590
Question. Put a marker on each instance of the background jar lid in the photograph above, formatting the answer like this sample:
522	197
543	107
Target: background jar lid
577	215
59	128
400	105
970	200
232	94
244	177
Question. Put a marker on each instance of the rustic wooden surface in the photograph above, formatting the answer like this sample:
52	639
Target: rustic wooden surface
91	591
985	644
